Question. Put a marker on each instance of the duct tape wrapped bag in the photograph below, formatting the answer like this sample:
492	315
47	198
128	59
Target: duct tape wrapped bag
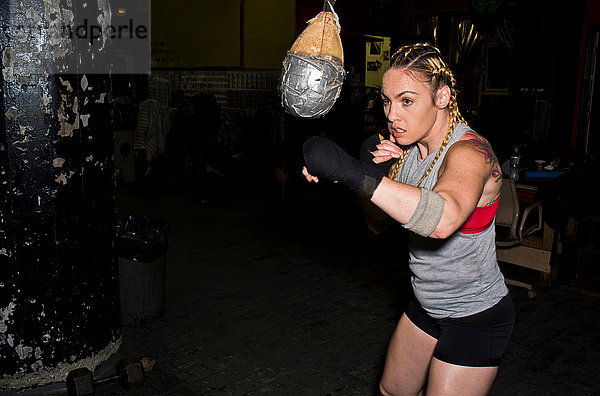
313	69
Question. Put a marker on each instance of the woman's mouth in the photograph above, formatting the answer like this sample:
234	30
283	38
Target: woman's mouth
397	132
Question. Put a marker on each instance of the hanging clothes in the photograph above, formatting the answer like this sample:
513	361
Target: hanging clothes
151	130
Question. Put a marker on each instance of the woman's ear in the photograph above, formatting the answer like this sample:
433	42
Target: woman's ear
443	97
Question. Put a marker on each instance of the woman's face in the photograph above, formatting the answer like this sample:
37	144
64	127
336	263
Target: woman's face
408	106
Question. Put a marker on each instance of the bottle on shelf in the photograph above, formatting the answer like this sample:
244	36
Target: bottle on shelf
515	158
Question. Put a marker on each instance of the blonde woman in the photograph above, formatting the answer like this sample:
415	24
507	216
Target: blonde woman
443	186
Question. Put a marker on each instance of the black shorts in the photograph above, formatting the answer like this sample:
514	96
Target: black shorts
477	340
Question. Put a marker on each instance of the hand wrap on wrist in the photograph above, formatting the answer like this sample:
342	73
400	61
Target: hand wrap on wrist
370	145
326	160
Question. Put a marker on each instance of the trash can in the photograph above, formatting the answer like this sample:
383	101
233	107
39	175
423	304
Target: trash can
141	247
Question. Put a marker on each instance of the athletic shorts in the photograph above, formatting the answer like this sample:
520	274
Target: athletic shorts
477	340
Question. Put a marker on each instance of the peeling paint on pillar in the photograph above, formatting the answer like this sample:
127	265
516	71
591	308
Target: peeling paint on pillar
59	301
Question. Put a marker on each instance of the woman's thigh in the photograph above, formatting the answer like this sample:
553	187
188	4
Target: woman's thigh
449	379
469	349
407	361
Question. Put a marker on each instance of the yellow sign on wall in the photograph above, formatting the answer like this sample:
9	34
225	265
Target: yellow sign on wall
269	31
197	34
377	59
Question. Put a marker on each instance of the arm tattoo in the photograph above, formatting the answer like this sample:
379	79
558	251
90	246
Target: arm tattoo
483	146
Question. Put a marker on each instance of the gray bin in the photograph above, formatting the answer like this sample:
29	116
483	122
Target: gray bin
141	247
142	289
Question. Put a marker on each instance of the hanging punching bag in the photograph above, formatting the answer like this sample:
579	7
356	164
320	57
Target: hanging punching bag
313	70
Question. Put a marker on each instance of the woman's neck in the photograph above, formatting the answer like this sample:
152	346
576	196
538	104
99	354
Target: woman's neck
433	140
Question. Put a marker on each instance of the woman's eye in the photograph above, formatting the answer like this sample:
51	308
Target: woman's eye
407	101
385	101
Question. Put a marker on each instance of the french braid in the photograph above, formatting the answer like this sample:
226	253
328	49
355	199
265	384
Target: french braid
427	60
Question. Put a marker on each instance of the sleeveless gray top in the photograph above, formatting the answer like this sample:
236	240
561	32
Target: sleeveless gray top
457	276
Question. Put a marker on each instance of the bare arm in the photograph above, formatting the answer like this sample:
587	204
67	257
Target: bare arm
461	182
376	219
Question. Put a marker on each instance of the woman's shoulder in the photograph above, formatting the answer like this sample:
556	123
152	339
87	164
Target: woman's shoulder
475	149
470	146
469	135
474	140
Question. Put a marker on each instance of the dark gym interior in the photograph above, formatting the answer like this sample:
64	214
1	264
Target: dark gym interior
157	236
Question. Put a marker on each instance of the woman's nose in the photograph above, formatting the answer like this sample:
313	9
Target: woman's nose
392	114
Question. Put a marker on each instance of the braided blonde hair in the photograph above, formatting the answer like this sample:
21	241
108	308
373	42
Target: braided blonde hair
427	60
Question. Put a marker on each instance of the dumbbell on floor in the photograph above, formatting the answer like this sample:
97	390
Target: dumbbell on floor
80	382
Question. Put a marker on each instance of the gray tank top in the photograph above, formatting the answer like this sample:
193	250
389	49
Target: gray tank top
457	276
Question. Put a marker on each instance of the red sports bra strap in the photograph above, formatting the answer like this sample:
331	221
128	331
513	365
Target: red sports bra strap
480	219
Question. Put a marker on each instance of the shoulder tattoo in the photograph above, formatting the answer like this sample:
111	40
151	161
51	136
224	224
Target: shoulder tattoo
483	146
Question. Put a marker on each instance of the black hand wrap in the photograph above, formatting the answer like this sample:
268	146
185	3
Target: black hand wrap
326	160
370	145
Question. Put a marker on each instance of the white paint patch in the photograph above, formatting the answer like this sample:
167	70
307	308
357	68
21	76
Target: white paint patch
55	19
58	162
90	158
23	351
102	97
67	129
24	80
46	100
11	340
32	14
21	36
104	19
67	84
25	128
8	61
25	139
86	101
12	113
62	178
84	82
84	119
4	316
37	365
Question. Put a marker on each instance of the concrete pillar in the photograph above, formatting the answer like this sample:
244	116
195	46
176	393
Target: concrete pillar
59	292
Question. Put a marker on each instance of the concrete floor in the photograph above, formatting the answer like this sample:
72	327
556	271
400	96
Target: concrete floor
299	299
294	297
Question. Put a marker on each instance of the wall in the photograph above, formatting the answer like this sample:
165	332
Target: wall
223	34
592	17
269	32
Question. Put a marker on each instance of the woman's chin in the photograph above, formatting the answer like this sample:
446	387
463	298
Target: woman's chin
401	138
